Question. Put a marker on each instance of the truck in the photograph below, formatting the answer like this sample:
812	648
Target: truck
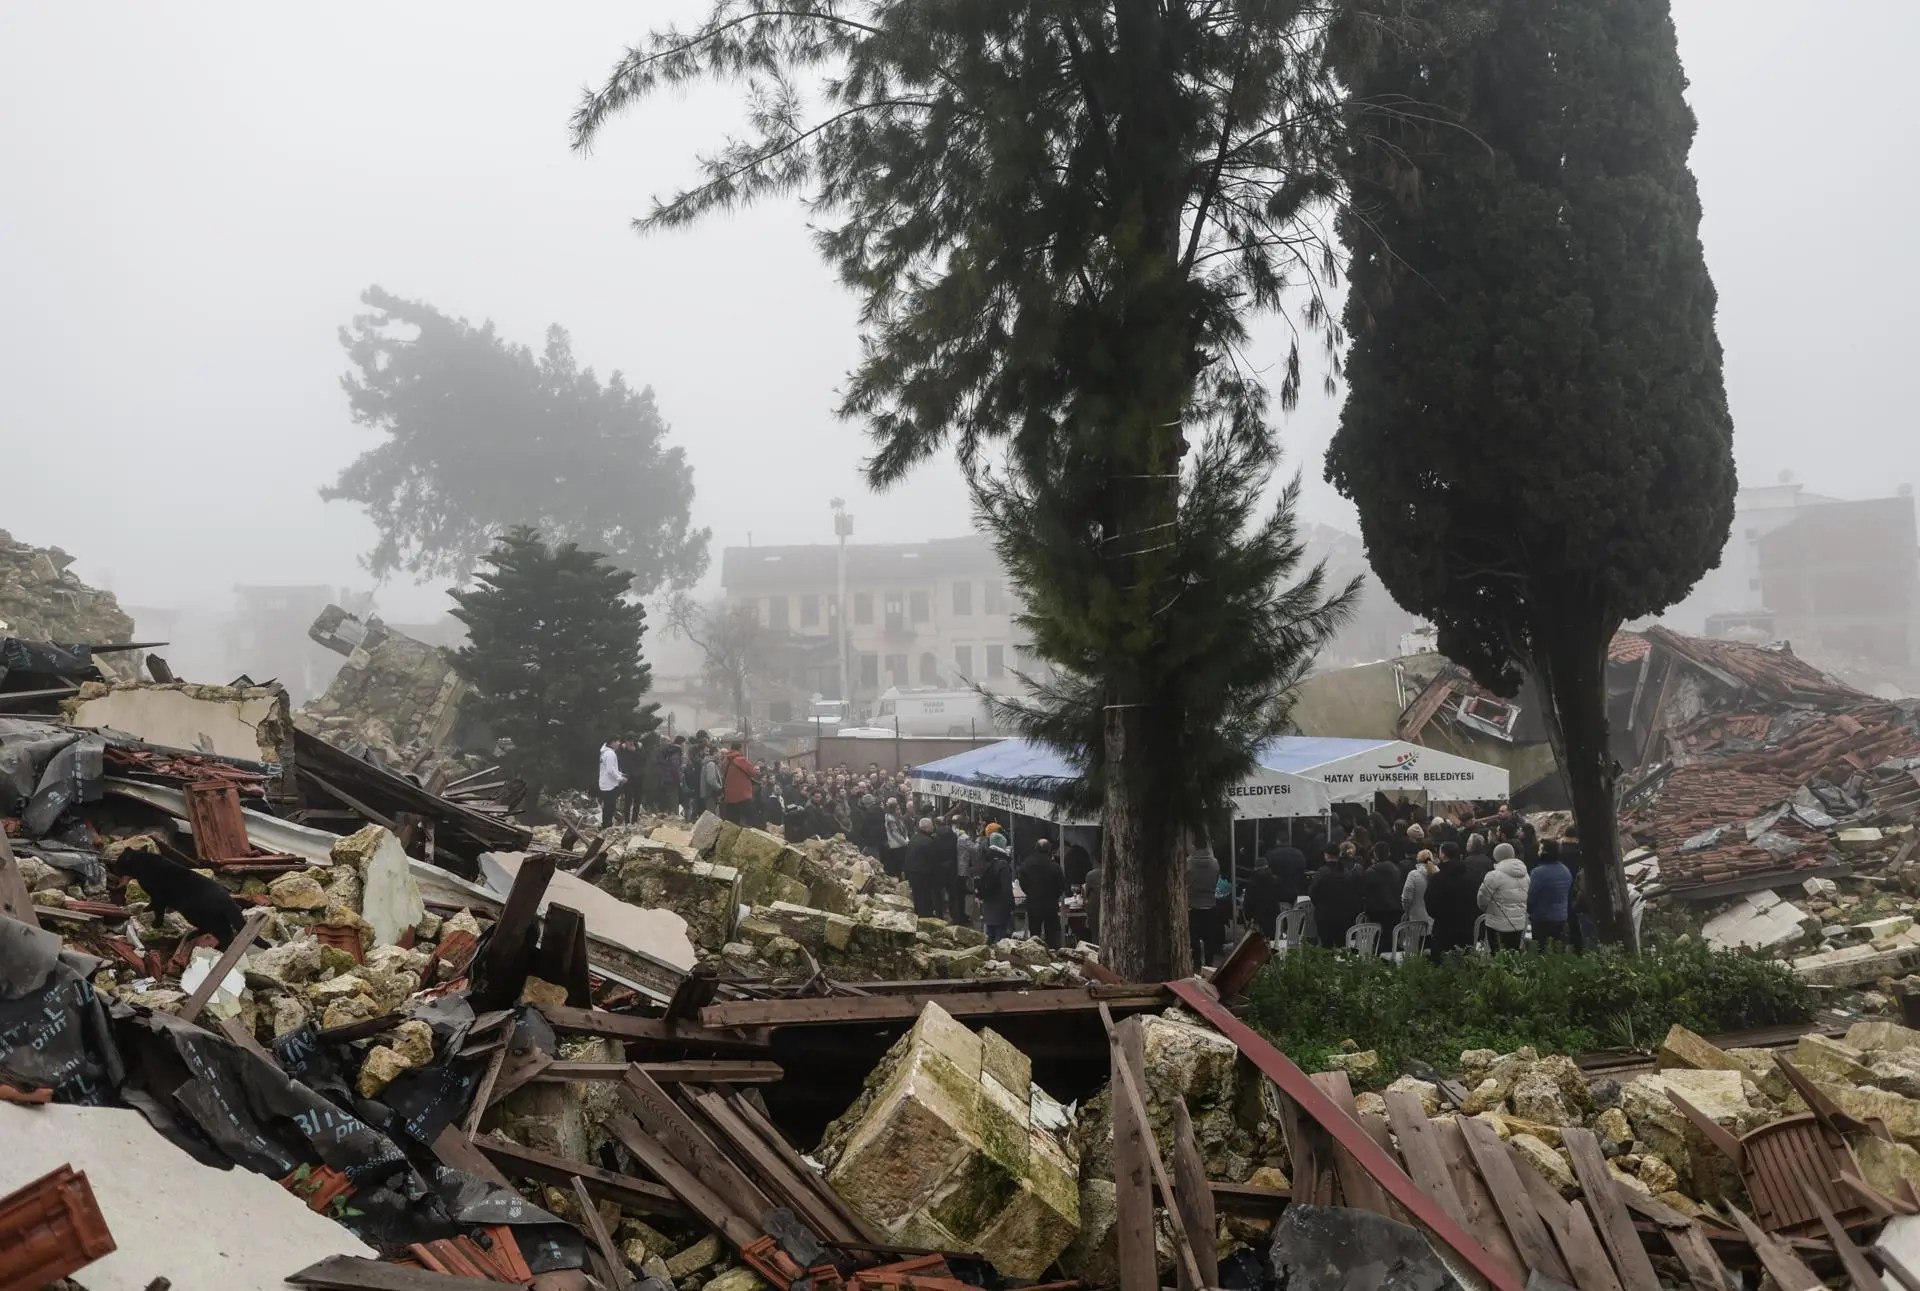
933	712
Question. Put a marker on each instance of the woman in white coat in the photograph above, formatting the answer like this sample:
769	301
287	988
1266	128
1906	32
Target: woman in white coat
1503	898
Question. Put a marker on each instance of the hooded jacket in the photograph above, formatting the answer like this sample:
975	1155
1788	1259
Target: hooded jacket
1503	894
994	884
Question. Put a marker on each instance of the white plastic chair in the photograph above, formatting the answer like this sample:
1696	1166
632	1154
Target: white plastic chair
1410	939
1294	922
1364	938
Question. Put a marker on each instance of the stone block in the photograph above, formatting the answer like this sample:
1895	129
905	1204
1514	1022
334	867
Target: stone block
1856	965
1683	1048
1820	1058
1880	1034
707	896
1901	1114
1659	1125
938	1151
1546	1162
297	891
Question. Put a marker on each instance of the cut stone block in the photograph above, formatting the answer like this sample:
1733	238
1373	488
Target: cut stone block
1683	1048
939	1152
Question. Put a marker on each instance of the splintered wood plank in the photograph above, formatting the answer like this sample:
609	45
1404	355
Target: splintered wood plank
745	1109
1194	1199
799	1190
1852	1258
1780	1263
1609	1212
1420	1149
1573	1232
1311	1153
1497	1167
669	1123
1133	1188
1129	1067
1357	1187
740	1231
1476	1203
616	1263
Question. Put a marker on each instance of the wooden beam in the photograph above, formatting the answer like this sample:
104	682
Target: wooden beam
1294	1083
1529	1232
1609	1212
623	1190
621	1026
790	1182
907	1006
668	1124
1852	1258
1193	1205
250	926
1127	1084
1786	1269
499	971
693	1070
748	1111
597	1230
739	1231
1420	1149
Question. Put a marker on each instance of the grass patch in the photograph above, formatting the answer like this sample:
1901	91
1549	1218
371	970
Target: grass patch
1309	1000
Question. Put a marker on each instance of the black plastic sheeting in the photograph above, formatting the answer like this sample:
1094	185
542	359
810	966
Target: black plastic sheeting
46	769
225	1105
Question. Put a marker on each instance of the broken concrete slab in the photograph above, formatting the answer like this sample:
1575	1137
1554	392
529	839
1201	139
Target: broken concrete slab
1856	965
170	1216
390	898
252	723
1758	921
659	935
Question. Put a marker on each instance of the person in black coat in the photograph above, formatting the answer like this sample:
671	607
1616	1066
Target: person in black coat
947	843
1380	888
1043	883
928	871
1262	903
1453	902
1288	865
1075	864
1336	896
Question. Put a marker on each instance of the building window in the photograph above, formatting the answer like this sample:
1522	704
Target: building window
929	669
963	661
777	613
897	669
995	597
809	611
870	671
922	607
963	598
996	661
863	607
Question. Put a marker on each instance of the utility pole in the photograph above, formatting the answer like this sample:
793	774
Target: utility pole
842	527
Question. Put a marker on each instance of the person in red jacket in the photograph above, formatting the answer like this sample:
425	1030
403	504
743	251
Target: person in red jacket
737	779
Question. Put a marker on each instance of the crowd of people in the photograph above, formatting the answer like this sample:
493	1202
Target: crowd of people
1450	872
959	865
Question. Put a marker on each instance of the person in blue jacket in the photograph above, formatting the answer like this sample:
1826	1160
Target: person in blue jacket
1548	897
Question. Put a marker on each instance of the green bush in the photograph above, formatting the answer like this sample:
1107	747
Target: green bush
1310	1000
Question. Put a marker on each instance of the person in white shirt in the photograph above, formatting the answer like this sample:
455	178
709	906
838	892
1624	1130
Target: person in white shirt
610	781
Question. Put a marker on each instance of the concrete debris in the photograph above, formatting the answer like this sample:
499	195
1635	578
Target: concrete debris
394	696
41	599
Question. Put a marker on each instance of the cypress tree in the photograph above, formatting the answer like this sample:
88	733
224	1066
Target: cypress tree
1536	431
554	656
1058	216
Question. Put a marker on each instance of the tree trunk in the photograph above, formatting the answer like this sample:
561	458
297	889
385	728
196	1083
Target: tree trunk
1574	678
1143	894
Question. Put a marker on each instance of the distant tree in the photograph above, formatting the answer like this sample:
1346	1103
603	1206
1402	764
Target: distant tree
1059	216
554	657
1536	432
482	435
736	651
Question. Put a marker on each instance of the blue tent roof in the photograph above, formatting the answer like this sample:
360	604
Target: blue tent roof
1017	764
1298	754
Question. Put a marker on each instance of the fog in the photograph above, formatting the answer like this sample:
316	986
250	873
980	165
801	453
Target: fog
195	195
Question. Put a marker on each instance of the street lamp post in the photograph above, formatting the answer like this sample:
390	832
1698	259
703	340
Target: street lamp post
842	527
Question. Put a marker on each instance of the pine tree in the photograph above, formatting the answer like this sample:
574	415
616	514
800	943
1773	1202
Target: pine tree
1536	431
554	656
1059	215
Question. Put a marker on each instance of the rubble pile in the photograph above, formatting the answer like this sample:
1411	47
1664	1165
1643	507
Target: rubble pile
41	599
394	695
771	909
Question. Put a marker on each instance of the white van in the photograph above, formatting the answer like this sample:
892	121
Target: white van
933	712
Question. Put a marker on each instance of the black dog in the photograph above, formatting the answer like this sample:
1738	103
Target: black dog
170	885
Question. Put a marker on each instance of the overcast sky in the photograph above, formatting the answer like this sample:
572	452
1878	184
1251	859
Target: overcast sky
193	195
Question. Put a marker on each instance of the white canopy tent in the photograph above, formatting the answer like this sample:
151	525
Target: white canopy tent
1303	775
1296	776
